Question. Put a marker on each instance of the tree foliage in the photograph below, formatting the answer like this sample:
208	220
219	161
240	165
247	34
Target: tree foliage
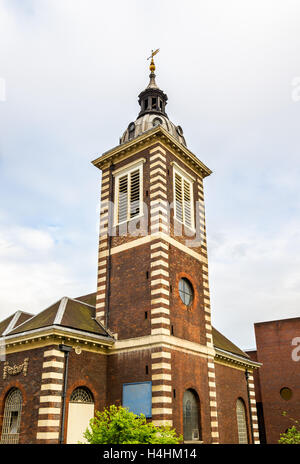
292	435
117	425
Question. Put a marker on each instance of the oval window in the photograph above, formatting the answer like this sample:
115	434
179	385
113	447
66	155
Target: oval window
186	291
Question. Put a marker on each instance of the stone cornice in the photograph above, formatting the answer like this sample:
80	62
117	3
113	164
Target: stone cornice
157	134
152	341
230	358
98	343
52	335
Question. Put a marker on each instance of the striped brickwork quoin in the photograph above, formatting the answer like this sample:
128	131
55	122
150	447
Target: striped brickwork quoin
253	410
161	387
103	250
50	407
159	249
160	289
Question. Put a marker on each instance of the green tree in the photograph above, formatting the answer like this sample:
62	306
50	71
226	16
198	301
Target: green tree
117	425
292	435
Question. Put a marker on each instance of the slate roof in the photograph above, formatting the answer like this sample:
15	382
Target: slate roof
12	321
67	312
223	343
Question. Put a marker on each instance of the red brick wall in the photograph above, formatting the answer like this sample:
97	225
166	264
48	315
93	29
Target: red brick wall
231	385
274	351
130	367
30	388
87	369
130	293
190	372
188	322
126	368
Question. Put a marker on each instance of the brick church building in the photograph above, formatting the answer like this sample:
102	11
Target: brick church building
144	338
277	381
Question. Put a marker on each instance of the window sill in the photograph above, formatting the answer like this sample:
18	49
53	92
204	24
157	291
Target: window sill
128	220
193	442
192	229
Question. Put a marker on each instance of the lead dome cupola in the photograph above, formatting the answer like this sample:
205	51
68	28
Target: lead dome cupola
153	103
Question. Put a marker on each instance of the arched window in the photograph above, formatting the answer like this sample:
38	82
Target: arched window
12	417
241	421
191	420
81	395
131	129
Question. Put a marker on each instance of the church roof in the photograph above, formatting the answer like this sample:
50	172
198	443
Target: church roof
72	313
12	321
221	342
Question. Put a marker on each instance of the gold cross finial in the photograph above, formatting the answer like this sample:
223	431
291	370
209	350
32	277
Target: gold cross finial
152	65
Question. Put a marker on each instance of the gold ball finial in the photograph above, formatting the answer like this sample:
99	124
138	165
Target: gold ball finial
152	65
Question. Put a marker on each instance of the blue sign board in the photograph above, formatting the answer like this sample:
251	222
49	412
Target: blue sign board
137	397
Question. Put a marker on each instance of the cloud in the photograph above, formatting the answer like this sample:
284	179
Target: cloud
254	277
38	267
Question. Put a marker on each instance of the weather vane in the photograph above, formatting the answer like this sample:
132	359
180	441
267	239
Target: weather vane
152	65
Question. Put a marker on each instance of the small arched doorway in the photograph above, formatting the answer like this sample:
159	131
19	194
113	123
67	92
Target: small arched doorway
81	411
12	417
191	416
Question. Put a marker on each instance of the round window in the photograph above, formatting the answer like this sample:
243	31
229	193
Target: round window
156	122
286	393
186	291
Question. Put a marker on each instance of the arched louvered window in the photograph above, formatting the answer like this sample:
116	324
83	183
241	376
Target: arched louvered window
191	422
241	422
12	417
82	395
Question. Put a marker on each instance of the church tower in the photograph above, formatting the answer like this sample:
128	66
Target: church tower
144	339
153	289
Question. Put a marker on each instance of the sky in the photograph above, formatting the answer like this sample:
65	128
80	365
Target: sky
70	74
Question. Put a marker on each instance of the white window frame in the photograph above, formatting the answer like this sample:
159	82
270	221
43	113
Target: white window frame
190	180
118	173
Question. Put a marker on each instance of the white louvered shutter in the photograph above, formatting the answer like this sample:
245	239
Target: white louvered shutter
187	195
178	197
135	193
128	196
123	198
183	200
